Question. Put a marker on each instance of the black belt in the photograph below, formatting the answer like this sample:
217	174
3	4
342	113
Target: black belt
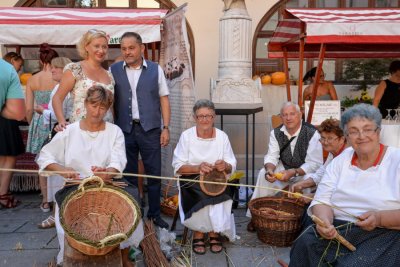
136	121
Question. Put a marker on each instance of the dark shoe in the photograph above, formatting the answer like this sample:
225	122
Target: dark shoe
215	242
199	243
160	222
250	227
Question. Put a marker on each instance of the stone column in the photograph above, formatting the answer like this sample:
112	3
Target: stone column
234	83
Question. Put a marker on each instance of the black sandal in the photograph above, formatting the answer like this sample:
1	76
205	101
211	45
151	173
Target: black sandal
214	244
199	243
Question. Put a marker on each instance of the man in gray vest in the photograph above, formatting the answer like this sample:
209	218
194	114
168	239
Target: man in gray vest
141	101
294	150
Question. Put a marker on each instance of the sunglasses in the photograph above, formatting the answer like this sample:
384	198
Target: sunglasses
94	31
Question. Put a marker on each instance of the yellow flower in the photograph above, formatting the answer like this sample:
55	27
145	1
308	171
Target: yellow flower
365	98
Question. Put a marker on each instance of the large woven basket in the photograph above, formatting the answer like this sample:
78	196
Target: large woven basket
97	217
276	228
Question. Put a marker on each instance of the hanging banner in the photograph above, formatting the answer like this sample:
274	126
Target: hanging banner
176	63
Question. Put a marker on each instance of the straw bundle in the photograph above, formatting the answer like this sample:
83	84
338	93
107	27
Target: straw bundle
153	256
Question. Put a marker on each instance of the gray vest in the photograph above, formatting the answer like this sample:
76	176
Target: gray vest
298	158
147	96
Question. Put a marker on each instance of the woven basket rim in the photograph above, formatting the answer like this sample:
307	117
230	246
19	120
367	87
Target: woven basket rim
255	211
91	188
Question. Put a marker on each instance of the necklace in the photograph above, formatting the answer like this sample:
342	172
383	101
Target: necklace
92	135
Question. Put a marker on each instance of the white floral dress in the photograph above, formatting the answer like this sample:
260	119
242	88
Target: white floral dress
78	93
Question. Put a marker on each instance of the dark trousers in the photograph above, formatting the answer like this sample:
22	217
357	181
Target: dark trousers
148	144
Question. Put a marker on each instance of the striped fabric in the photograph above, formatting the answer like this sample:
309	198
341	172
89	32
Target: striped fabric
348	33
64	26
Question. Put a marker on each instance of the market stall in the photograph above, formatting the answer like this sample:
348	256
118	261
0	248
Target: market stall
334	33
23	29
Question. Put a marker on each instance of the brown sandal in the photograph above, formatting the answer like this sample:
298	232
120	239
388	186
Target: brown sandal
11	202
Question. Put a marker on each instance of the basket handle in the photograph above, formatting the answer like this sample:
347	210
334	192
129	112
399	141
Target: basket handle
111	238
97	179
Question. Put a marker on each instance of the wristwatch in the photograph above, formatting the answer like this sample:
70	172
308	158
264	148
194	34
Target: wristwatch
166	127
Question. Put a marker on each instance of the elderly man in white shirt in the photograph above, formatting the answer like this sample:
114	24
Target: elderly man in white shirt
294	150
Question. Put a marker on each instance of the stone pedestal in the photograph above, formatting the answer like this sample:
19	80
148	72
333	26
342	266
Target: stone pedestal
236	90
234	83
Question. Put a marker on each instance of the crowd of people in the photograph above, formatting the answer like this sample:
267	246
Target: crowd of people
86	120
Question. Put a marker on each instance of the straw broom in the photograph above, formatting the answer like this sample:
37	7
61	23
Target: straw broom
152	254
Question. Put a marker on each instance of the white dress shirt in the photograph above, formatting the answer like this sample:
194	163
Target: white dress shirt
133	78
314	157
313	160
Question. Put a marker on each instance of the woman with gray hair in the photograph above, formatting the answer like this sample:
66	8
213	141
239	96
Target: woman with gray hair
363	182
200	150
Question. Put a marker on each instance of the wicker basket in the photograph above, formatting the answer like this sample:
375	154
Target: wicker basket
97	217
167	209
275	228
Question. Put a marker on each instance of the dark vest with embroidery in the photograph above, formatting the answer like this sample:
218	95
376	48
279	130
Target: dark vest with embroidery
147	96
298	158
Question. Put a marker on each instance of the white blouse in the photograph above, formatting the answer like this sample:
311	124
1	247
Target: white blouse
357	191
80	149
193	150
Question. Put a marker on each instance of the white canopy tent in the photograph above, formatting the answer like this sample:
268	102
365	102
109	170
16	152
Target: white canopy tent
64	26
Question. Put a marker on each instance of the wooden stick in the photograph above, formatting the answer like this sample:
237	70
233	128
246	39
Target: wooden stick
339	238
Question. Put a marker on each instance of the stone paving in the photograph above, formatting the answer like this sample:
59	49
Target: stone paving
22	244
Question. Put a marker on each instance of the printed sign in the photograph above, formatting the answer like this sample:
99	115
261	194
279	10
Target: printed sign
323	109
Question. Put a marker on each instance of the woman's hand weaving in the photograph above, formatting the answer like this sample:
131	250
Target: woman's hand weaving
205	168
220	165
99	171
70	173
369	220
328	231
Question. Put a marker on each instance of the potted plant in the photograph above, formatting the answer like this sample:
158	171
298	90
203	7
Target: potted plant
362	73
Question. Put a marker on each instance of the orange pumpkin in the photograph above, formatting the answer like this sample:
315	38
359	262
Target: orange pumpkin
266	79
24	78
278	78
255	77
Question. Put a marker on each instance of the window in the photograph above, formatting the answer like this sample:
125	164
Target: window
327	3
54	3
356	3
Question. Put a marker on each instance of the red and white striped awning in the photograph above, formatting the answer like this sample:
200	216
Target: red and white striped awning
347	33
64	26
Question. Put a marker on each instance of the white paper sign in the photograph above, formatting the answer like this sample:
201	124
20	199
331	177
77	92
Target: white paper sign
323	109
